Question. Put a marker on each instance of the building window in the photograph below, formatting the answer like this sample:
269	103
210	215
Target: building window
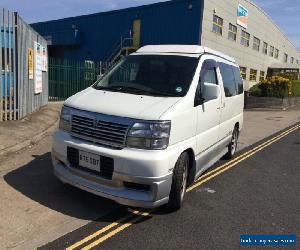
271	51
217	25
262	76
243	72
232	32
285	57
256	43
253	74
276	55
265	48
245	39
297	61
292	60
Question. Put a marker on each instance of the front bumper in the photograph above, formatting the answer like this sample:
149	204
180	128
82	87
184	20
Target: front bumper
146	167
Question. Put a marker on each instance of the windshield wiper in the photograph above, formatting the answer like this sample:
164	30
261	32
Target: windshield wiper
118	88
127	89
160	93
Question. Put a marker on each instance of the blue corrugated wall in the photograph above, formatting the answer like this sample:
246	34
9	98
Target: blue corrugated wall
172	22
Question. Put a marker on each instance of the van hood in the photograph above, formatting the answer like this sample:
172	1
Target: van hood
122	104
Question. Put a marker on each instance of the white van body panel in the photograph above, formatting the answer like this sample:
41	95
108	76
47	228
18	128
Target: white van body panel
121	104
203	130
183	50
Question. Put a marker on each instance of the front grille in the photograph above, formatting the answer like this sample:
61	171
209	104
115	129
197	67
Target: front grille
106	164
99	131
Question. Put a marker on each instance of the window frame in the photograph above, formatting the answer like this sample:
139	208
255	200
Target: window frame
232	34
218	25
243	73
251	78
265	48
256	41
271	52
245	38
262	76
276	53
292	60
285	58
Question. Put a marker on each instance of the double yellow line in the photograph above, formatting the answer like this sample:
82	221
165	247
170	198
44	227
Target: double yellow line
122	224
135	215
208	176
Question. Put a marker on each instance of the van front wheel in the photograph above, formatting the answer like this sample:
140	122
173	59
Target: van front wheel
233	144
179	182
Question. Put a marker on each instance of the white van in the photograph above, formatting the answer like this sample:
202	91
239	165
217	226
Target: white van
150	126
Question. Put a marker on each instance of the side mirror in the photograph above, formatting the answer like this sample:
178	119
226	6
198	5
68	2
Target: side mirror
211	91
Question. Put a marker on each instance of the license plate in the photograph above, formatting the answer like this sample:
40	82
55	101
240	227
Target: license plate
89	161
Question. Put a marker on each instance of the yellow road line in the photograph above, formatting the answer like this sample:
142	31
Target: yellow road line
101	231
114	232
201	180
226	167
241	156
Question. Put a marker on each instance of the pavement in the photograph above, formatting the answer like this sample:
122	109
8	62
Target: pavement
15	135
36	208
259	124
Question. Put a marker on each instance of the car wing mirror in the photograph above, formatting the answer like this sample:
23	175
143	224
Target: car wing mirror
211	91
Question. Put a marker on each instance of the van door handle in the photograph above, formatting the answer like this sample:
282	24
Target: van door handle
222	107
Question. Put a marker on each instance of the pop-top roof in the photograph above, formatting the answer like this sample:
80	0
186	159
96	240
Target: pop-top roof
182	49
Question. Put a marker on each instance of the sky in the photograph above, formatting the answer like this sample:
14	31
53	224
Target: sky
285	13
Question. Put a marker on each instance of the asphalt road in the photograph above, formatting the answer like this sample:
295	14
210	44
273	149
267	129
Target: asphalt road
256	193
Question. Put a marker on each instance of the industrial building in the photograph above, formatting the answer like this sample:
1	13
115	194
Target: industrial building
238	28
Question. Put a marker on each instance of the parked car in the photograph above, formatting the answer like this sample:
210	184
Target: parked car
151	126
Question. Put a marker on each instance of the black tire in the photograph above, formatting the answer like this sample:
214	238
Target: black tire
179	183
233	144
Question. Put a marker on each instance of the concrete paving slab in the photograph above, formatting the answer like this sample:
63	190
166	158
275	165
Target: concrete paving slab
15	135
259	124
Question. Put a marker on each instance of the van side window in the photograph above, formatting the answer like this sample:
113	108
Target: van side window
238	80
210	76
209	72
228	80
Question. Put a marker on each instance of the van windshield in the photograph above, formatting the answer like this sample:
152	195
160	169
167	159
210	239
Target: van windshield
154	75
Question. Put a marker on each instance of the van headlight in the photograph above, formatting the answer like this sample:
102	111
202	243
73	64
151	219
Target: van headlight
65	119
149	135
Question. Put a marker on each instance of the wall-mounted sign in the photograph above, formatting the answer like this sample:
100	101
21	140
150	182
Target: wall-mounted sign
242	16
45	59
30	64
38	64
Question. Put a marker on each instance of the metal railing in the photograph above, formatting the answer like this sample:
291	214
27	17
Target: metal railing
118	48
67	77
17	95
